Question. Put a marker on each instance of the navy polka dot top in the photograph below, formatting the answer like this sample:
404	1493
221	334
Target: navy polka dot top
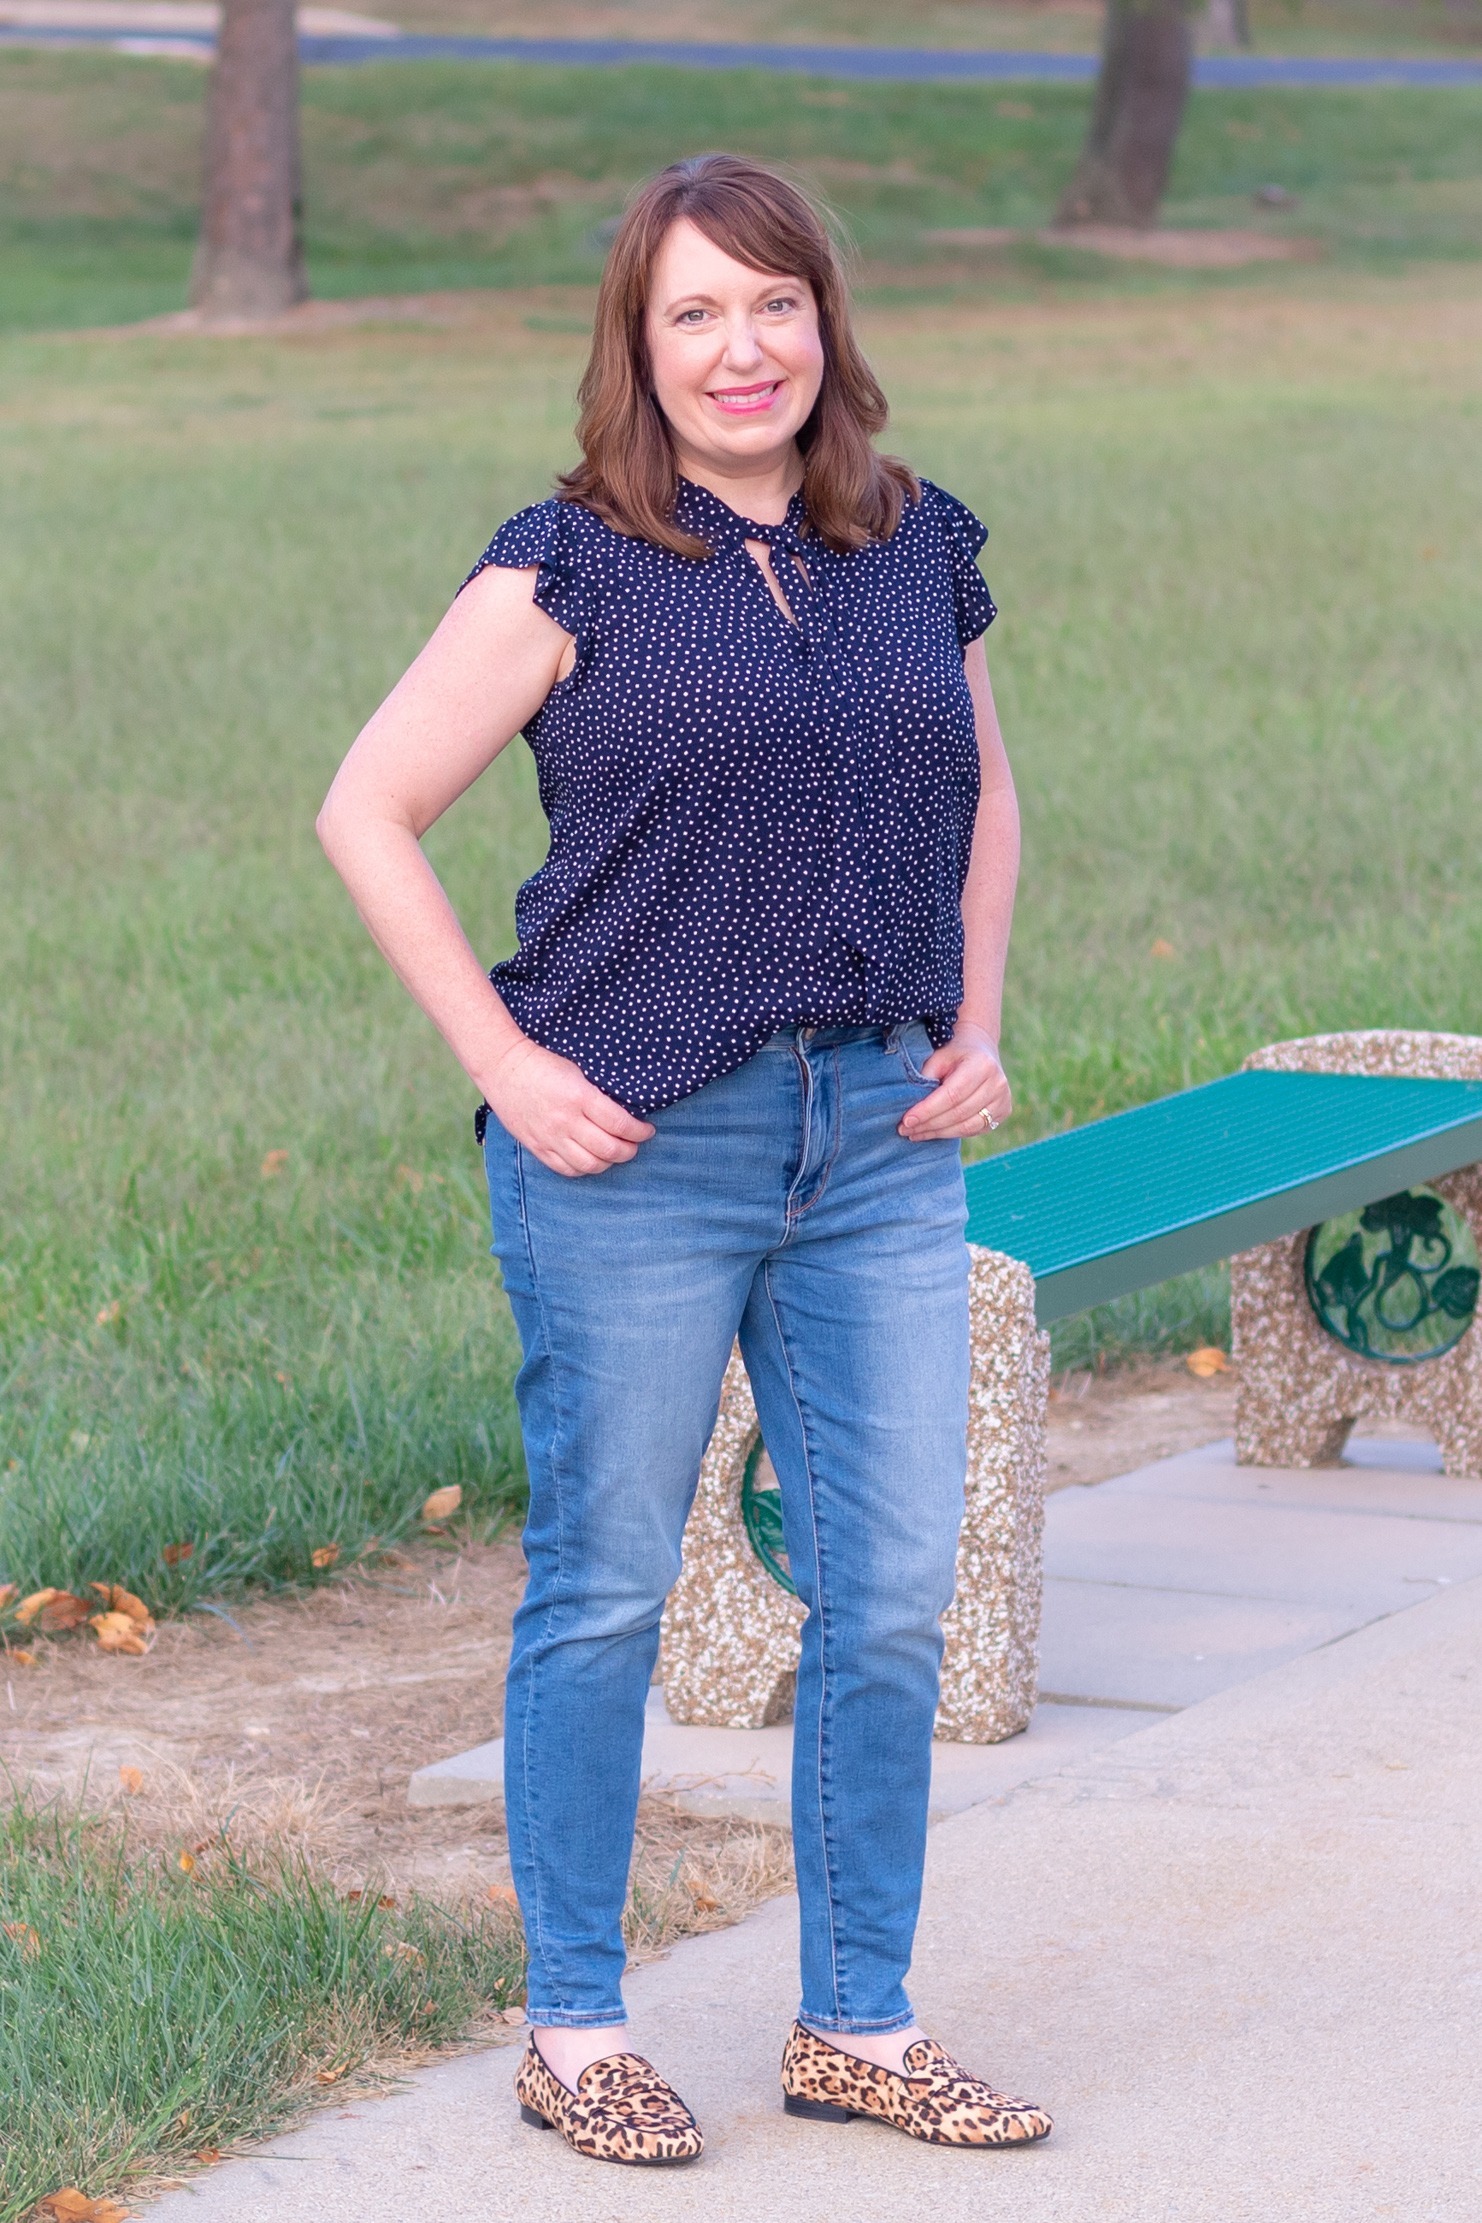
755	823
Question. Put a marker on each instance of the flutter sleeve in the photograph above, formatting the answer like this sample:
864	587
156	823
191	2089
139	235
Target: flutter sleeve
547	538
964	536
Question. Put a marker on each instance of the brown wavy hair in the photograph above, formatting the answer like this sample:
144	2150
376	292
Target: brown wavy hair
628	473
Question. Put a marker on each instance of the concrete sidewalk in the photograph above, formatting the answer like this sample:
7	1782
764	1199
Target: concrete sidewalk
1236	1953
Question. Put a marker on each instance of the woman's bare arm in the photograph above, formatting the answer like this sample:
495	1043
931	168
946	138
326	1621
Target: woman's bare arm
970	1075
480	679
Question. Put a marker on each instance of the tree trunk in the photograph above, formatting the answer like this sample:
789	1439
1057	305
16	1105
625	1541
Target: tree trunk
249	260
1227	23
1140	95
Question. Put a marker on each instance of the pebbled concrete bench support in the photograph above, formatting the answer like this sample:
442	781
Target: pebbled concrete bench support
730	1646
1300	1390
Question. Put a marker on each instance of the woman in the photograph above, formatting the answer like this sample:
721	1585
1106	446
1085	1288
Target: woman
754	1010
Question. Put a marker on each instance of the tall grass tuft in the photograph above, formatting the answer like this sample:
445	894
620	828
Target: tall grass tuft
150	2012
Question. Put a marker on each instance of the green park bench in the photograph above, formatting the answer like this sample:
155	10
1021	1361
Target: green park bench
1102	1210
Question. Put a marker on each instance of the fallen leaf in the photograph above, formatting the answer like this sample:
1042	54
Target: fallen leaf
131	1781
182	2120
187	1864
1161	948
28	1608
1209	1359
62	1611
175	1555
109	1314
118	1633
273	1164
7	1592
331	2076
325	1555
443	1503
703	1903
25	1937
400	1950
511	2014
207	2154
124	1601
503	1894
71	2206
22	1658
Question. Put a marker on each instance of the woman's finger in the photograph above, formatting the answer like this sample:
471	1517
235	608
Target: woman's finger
600	1143
605	1113
972	1081
957	1104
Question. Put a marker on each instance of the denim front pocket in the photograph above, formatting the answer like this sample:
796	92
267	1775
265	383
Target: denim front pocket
912	1045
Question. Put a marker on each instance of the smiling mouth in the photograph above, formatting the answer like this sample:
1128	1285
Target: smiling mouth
746	401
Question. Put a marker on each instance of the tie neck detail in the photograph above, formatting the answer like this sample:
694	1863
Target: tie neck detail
724	527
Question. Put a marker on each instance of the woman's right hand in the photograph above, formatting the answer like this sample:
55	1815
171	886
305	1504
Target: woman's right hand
550	1106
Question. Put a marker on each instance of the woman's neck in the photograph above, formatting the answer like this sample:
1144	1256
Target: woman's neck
759	489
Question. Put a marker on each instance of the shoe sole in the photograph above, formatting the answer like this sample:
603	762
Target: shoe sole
621	2161
821	2111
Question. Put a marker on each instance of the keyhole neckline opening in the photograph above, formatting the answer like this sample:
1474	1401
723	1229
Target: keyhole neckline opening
760	553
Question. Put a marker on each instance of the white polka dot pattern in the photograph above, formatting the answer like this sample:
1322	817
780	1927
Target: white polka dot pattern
754	823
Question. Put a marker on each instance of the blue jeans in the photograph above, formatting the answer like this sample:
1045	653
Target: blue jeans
778	1203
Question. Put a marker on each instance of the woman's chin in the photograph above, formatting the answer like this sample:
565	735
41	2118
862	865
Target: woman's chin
754	439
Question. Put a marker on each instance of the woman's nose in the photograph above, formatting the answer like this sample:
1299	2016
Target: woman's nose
742	348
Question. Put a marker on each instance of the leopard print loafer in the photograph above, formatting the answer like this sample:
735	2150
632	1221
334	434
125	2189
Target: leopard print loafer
621	2110
935	2099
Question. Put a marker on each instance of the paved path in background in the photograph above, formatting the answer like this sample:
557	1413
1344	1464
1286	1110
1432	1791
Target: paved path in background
1237	1953
894	64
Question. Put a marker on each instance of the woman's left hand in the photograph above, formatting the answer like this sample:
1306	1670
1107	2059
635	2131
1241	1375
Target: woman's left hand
970	1081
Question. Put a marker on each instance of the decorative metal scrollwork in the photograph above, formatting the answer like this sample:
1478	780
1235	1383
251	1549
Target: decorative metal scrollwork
1397	1281
761	1515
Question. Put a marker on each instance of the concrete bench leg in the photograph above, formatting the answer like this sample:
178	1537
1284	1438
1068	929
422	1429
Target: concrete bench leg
1300	1391
731	1632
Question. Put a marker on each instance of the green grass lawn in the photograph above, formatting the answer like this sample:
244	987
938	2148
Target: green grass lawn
1277	26
443	175
1236	546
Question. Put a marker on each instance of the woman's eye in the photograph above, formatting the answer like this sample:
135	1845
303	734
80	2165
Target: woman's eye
780	306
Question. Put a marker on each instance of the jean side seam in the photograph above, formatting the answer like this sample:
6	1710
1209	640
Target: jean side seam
538	1940
823	1679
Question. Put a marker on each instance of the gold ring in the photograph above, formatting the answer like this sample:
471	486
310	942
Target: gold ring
987	1118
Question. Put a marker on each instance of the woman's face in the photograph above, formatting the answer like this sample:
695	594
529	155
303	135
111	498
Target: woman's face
736	355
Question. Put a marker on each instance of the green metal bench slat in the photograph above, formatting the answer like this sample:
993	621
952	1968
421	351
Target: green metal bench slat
1127	1201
